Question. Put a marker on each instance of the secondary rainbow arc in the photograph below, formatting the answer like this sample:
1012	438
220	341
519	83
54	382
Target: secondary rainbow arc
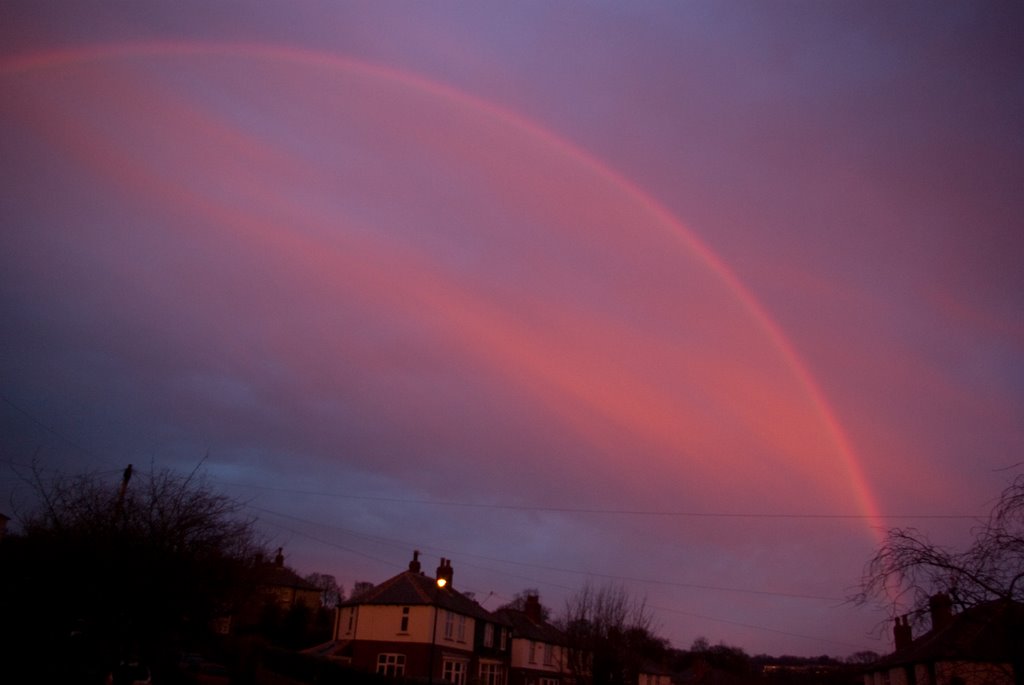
690	241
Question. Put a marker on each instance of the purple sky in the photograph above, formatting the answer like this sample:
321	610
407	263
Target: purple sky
690	296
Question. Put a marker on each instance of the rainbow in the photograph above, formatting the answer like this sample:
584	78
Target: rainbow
850	462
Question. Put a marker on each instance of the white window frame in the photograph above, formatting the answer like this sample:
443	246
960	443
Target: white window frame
391	664
403	626
449	625
460	628
491	673
454	671
488	635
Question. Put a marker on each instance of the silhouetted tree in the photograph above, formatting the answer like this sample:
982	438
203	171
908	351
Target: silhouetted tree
330	592
908	568
866	656
109	570
609	635
722	657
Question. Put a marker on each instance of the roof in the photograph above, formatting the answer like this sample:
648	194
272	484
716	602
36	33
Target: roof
525	627
709	675
991	632
412	588
282	576
331	649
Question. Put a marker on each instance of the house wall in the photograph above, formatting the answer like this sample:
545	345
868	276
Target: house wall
426	645
421	659
900	676
944	673
521	656
876	678
654	679
384	623
973	673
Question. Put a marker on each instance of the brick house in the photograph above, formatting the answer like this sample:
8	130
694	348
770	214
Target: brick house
538	655
983	645
417	626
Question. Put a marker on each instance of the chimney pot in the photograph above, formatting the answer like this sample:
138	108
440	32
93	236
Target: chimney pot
941	607
445	571
532	608
902	633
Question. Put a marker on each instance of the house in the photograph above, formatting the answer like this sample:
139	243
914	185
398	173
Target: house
417	626
283	587
983	645
275	592
539	650
651	673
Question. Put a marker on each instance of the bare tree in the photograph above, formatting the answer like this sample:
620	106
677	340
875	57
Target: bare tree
129	568
609	634
909	568
330	592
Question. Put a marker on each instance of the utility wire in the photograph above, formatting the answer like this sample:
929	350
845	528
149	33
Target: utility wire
533	508
596	510
550	584
53	431
755	627
649	581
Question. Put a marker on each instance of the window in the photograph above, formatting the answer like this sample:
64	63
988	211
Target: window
533	652
491	674
351	618
548	656
488	636
548	681
449	625
391	664
504	638
455	671
405	620
461	632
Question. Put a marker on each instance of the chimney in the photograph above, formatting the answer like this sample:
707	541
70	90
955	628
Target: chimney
902	633
414	565
279	559
532	609
941	607
445	571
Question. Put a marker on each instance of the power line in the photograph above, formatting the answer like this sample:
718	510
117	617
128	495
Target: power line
550	584
53	431
649	581
598	510
756	627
